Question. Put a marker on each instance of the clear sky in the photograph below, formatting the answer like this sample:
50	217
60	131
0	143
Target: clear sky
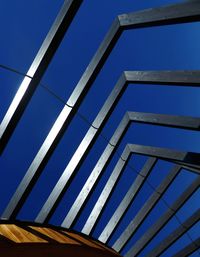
24	25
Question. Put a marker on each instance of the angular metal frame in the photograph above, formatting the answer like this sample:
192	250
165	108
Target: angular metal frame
189	159
144	211
174	14
189	78
37	70
158	225
175	235
109	188
156	119
162	153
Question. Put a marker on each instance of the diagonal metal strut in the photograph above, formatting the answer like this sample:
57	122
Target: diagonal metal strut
37	70
174	14
158	225
163	153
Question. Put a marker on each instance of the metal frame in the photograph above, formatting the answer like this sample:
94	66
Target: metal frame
37	70
144	211
158	225
189	249
176	78
189	159
189	78
179	13
162	153
156	119
175	235
174	14
109	188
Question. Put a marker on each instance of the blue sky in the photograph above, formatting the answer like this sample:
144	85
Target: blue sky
23	28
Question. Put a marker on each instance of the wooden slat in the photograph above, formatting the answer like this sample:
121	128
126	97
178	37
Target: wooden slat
23	238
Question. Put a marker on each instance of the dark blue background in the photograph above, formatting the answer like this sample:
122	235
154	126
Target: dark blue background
24	25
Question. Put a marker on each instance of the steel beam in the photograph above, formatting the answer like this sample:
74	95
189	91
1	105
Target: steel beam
191	169
189	159
175	235
181	13
144	211
173	14
165	77
110	185
156	119
37	70
189	249
92	180
160	223
108	189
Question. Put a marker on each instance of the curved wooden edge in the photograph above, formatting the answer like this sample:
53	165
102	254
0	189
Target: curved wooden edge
29	239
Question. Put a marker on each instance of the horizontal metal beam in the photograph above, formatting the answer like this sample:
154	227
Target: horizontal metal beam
156	119
189	159
161	222
166	78
162	77
182	13
37	70
189	249
142	214
183	122
178	78
175	235
195	170
172	14
187	13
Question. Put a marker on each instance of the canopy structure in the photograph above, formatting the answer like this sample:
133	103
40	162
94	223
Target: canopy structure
40	236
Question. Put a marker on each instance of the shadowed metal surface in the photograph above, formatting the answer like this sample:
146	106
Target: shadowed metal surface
159	224
156	119
174	14
175	235
189	249
120	166
106	191
145	210
170	78
187	158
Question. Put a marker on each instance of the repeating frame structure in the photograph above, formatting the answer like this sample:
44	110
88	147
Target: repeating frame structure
173	14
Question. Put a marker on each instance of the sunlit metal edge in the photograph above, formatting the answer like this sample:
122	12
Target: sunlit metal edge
37	70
